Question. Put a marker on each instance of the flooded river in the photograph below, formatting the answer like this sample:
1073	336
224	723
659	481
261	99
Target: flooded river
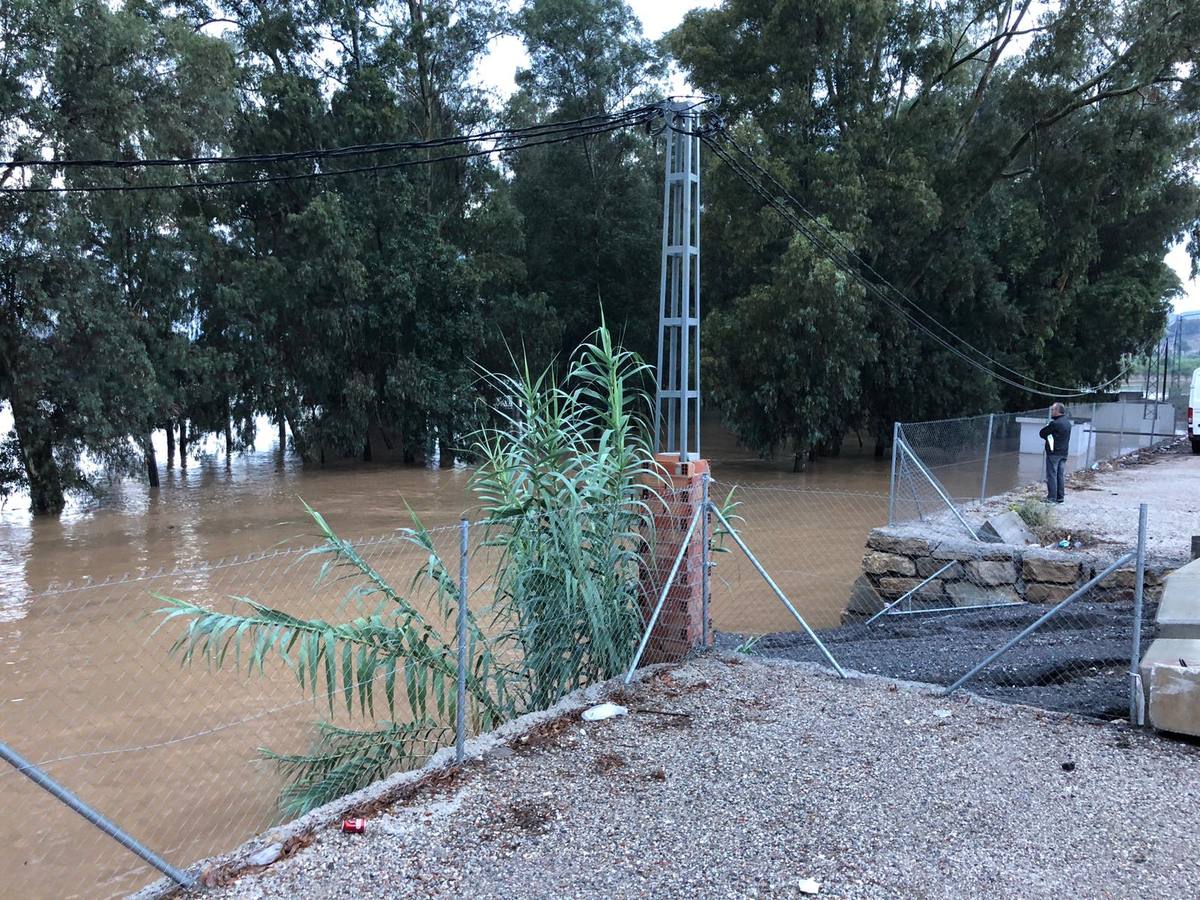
169	753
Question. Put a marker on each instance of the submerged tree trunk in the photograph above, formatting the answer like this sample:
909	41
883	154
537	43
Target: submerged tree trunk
151	459
228	442
282	434
445	446
170	444
41	469
183	443
366	456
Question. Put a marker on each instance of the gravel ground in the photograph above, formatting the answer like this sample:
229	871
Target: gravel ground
777	773
1102	504
1077	662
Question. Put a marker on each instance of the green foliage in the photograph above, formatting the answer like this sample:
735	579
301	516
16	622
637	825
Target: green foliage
565	485
748	645
1034	513
590	209
561	481
1018	171
785	359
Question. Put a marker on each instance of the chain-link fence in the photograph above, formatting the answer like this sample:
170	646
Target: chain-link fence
153	698
960	461
195	708
930	605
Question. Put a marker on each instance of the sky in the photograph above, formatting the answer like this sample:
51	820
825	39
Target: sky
498	69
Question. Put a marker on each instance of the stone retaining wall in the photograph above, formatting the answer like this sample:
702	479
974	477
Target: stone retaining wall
899	558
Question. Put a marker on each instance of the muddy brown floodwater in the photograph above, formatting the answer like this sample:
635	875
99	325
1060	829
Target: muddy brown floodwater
169	753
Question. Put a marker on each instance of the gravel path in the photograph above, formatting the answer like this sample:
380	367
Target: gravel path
778	773
1078	662
1104	503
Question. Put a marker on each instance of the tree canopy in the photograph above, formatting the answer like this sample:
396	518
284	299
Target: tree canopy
1018	170
1019	175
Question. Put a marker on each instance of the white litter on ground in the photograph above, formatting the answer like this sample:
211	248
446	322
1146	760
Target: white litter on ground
603	711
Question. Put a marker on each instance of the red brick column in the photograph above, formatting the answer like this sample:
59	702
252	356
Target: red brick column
680	625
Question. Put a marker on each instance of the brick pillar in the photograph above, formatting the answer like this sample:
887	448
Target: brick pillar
680	625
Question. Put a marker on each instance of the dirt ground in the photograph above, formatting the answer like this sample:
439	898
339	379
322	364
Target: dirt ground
742	778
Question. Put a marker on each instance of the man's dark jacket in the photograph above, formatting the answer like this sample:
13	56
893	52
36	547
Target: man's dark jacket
1060	429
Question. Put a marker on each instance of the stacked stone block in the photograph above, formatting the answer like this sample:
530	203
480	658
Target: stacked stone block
899	558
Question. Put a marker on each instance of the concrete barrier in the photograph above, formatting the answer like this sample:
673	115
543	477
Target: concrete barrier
1170	668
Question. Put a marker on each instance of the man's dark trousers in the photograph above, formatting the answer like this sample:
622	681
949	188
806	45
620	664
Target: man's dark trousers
1056	476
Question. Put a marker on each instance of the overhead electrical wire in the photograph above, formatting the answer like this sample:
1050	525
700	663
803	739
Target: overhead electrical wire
502	140
843	261
317	153
505	140
880	279
310	176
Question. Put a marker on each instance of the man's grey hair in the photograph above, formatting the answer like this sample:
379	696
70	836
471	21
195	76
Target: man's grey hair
1058	410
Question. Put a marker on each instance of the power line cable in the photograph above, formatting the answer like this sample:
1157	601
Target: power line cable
495	134
633	115
849	251
796	223
331	173
874	289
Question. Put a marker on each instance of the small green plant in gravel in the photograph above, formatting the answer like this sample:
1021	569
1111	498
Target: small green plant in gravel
1033	513
747	646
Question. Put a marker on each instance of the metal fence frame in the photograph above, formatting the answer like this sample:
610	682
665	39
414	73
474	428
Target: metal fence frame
698	525
905	454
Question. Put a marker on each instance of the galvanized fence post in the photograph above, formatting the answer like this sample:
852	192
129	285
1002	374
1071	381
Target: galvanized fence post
460	712
662	597
48	784
987	456
916	463
758	566
705	560
1121	435
892	479
1045	617
1136	705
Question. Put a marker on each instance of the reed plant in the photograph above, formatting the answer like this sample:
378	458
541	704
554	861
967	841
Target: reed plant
565	488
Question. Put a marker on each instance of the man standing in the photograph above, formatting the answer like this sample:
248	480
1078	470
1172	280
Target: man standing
1057	436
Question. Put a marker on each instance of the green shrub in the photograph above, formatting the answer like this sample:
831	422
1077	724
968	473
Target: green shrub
563	488
1033	513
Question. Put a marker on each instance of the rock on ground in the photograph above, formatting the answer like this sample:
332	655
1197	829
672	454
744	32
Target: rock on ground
734	778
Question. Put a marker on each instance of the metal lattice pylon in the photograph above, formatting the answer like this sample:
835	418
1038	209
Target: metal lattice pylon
677	400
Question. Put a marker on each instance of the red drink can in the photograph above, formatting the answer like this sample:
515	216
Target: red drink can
354	826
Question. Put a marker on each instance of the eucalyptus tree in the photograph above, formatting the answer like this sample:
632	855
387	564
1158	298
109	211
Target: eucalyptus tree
591	207
1017	170
95	307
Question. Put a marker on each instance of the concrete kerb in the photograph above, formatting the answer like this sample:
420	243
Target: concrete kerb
258	852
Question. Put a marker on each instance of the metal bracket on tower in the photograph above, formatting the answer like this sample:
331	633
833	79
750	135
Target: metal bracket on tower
677	399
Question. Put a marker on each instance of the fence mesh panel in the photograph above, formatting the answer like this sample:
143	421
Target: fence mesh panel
181	773
950	602
978	457
184	773
919	601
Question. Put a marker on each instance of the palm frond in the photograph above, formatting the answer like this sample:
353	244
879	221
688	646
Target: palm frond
342	760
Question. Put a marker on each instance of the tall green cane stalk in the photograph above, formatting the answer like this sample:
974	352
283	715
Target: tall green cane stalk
566	484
